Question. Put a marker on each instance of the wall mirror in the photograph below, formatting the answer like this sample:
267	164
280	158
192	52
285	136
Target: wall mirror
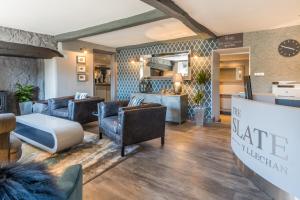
164	66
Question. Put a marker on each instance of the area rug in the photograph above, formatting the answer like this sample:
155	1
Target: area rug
96	156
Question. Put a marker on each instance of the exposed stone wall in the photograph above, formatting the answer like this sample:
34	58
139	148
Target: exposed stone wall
25	37
20	70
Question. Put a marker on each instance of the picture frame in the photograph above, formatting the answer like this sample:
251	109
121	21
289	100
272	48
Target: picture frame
82	77
80	59
81	69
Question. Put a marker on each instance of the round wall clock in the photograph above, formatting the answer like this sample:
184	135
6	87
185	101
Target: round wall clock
289	48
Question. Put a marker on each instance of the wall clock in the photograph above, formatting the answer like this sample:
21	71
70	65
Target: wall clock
289	48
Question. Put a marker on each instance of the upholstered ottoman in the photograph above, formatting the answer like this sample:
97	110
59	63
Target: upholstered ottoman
49	133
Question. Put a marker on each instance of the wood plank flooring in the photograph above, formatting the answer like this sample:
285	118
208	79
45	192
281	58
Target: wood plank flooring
195	163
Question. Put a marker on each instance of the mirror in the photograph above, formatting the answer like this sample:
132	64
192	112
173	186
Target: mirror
164	66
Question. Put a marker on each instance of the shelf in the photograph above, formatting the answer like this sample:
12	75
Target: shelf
102	84
231	81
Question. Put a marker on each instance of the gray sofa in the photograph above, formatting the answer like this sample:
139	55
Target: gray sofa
76	110
131	125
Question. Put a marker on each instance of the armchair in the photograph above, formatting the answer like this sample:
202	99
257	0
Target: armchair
76	110
131	125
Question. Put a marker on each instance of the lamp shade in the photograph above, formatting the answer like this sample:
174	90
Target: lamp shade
177	78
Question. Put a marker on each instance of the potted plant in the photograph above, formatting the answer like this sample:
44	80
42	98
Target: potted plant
24	94
199	110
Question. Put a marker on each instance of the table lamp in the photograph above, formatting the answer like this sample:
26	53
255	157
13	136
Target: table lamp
177	81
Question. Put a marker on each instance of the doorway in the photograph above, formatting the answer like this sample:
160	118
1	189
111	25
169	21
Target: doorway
104	74
229	66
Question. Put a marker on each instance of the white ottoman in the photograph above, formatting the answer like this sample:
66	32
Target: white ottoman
48	133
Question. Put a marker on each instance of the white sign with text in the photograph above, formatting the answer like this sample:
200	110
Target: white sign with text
266	138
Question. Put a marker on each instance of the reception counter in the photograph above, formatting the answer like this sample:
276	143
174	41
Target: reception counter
265	139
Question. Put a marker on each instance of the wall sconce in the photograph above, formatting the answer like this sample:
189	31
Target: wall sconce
134	60
177	81
84	50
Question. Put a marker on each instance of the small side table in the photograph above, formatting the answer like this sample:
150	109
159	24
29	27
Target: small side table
97	115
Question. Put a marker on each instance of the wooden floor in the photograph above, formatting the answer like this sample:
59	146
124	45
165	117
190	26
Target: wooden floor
195	163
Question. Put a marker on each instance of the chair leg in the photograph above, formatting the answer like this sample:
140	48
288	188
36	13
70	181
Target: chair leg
162	140
123	151
100	134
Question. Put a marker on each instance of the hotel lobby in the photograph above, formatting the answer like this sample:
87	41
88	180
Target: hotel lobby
149	99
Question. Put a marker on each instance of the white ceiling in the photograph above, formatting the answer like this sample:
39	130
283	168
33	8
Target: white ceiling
61	16
235	16
221	16
156	31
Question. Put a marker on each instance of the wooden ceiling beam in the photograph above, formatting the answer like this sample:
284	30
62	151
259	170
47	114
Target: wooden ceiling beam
147	17
173	10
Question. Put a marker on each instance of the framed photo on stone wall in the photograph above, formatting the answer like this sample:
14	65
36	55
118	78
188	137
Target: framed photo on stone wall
82	77
80	59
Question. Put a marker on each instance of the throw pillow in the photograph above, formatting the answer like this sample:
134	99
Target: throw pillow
135	101
80	95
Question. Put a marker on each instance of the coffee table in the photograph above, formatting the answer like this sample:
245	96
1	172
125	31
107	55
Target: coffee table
49	133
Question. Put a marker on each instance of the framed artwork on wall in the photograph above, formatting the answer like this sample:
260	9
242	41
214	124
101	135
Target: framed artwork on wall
80	59
81	69
82	77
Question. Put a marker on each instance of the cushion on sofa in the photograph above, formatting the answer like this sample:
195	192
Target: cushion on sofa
80	95
111	124
61	112
135	101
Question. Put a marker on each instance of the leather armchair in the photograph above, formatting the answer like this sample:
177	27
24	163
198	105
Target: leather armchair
76	110
131	125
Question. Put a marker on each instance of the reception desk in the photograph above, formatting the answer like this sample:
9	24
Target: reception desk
265	139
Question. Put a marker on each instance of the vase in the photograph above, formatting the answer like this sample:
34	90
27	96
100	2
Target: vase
199	115
25	108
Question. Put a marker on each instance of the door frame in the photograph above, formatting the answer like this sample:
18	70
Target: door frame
215	76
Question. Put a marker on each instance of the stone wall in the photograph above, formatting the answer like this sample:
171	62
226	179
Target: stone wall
23	70
20	70
25	37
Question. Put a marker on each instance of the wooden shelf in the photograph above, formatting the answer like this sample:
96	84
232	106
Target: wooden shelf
231	81
102	84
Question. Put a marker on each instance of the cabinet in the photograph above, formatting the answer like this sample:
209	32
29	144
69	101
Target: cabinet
177	105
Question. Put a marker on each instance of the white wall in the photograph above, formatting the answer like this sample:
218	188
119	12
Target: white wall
67	83
50	78
61	75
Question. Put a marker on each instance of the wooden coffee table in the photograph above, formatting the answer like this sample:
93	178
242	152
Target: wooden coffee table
49	133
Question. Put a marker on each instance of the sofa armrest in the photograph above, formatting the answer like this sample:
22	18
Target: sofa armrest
82	110
139	125
71	182
56	103
106	109
7	123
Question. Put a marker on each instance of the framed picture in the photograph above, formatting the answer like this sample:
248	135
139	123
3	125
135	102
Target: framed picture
80	59
81	77
81	69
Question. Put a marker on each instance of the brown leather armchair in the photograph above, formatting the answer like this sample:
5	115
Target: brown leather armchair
131	125
76	110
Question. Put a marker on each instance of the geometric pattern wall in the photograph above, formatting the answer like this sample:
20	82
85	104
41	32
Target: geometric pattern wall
128	72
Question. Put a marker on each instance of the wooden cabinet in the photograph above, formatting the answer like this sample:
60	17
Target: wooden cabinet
176	105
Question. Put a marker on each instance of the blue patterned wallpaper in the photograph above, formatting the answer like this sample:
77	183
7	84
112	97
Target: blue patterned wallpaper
128	72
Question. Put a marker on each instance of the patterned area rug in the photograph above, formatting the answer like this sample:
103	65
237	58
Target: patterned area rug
96	156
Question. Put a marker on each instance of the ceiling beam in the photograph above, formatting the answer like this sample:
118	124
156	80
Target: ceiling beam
147	17
173	10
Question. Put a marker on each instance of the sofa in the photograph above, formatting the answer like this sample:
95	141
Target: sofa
76	110
130	125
